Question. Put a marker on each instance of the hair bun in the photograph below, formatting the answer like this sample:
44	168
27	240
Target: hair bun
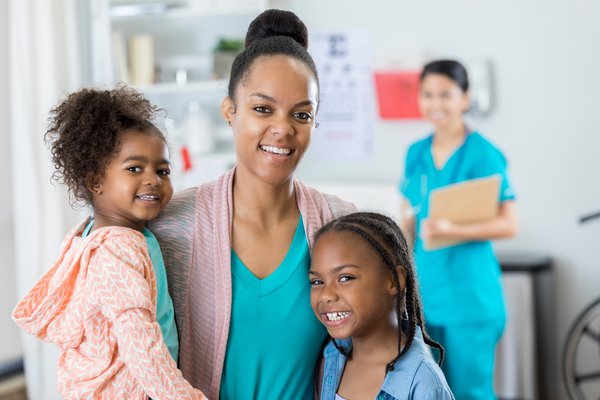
277	23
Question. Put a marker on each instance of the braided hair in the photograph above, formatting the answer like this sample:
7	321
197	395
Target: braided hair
386	238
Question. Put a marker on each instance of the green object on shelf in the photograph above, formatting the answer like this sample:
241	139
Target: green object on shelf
224	54
230	45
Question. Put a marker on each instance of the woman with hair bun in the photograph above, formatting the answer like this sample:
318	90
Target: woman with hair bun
460	284
237	249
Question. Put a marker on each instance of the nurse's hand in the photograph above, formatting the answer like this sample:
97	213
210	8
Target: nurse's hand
437	228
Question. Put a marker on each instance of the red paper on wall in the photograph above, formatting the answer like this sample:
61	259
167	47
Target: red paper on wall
398	94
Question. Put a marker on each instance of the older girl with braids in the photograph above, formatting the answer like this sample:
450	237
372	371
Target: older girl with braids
364	290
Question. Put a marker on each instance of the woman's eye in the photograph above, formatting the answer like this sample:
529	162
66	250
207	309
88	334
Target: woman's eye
261	109
134	169
303	116
315	282
346	278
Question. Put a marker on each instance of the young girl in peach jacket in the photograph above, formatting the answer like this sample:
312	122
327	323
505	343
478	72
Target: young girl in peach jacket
105	301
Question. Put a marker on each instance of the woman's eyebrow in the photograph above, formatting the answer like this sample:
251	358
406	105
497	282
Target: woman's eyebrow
264	96
273	100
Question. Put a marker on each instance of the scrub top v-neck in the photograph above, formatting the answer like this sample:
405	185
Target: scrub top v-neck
274	336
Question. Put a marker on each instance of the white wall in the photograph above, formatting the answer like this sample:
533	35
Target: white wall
547	69
10	344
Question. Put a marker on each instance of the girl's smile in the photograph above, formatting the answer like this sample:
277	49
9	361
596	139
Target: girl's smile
334	319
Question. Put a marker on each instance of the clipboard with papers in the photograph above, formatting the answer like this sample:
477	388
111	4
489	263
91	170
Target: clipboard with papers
465	202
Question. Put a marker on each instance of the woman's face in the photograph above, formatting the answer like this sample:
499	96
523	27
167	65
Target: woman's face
442	101
272	117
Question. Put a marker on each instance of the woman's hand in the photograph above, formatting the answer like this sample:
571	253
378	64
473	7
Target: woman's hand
501	226
437	228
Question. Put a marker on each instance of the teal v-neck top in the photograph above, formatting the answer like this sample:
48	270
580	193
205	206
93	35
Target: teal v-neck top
274	336
165	313
459	283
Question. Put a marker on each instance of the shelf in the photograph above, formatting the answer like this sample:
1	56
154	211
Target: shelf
136	11
218	86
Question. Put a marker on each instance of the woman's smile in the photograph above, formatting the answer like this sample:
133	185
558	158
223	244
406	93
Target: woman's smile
281	151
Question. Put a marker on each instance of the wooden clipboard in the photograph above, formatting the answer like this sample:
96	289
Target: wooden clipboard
465	202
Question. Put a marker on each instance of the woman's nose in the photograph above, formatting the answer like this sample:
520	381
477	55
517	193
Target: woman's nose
283	126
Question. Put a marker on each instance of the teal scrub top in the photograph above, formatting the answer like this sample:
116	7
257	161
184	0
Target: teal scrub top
165	313
460	283
274	336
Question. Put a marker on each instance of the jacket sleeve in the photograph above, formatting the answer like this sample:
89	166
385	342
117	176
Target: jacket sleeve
124	292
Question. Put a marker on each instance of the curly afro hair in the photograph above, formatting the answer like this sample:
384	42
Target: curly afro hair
84	133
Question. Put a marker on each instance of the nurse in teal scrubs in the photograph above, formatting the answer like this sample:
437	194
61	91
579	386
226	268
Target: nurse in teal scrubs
460	285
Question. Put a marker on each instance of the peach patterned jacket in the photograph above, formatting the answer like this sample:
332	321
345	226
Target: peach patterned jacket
97	303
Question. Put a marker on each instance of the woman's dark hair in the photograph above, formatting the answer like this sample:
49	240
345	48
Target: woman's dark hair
84	132
449	68
273	32
386	238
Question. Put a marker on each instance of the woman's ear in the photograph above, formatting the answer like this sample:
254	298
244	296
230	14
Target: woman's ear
466	101
227	109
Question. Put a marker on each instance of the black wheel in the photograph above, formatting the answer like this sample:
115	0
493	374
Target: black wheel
581	358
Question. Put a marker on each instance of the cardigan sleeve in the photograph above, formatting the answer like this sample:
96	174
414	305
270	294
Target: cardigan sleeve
124	292
174	230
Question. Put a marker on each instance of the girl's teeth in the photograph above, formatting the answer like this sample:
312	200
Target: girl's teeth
144	197
337	316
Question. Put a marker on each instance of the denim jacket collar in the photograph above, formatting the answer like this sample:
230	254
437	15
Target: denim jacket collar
396	384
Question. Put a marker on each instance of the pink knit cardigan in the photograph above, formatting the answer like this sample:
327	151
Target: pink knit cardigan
195	237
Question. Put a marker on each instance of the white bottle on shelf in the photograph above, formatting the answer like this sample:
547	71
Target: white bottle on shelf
197	127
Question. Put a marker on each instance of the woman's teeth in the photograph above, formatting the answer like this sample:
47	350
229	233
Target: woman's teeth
284	151
337	316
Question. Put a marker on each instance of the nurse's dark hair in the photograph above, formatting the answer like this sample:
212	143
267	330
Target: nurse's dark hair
84	134
273	32
386	238
449	68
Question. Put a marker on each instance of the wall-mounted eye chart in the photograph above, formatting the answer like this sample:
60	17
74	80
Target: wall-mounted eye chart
347	112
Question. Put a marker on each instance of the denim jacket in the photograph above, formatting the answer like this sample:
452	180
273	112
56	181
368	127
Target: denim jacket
416	376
